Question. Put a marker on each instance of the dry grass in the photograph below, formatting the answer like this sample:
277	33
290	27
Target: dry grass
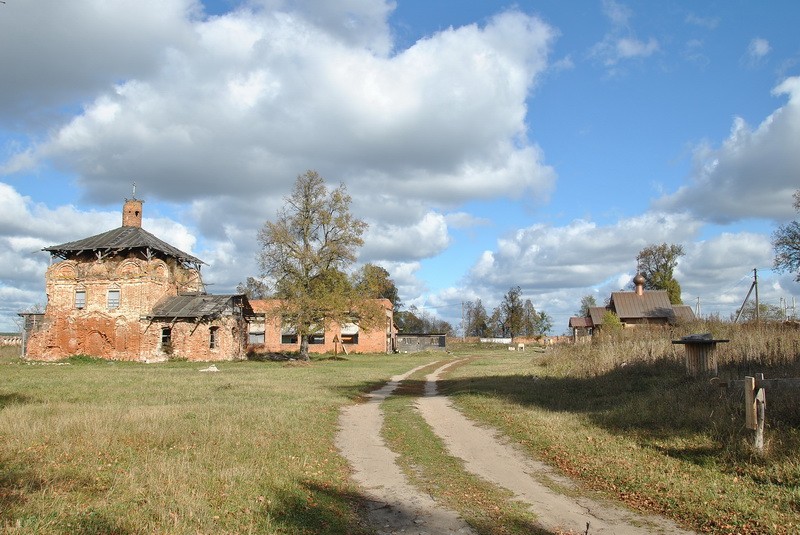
621	415
98	447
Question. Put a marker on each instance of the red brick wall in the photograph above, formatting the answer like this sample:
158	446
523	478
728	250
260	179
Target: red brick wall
372	341
116	333
192	341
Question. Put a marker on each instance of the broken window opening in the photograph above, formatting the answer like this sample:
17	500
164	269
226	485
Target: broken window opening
213	337
113	299
166	337
80	298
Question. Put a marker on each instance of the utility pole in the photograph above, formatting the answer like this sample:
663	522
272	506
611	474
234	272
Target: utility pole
755	284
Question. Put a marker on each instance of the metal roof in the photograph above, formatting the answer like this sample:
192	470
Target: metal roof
651	304
683	312
121	239
580	322
199	306
597	313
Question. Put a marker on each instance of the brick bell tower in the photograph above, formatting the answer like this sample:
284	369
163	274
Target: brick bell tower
132	211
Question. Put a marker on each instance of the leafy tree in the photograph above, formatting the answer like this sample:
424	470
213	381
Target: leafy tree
611	322
513	313
476	319
786	242
415	321
408	321
375	281
529	319
253	288
543	323
657	264
497	326
587	301
305	250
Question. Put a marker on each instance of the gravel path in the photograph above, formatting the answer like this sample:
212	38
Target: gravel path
397	507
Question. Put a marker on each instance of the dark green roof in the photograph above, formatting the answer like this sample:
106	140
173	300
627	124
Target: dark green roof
119	240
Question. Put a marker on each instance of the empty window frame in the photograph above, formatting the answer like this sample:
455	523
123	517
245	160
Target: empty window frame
213	337
289	338
255	334
80	298
316	338
113	298
288	334
349	334
166	337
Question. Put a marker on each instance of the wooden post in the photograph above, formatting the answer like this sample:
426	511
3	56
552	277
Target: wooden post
750	403
700	354
700	359
755	405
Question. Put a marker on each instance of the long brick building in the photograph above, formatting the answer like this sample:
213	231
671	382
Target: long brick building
268	335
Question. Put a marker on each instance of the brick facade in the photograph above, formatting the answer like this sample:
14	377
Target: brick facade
278	339
101	293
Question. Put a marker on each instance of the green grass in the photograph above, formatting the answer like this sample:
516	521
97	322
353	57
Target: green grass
111	447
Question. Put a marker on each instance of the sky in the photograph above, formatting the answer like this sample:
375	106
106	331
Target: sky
488	145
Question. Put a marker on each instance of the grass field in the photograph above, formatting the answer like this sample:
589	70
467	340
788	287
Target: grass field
622	416
107	447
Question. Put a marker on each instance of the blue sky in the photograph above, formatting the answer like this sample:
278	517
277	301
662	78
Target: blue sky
488	144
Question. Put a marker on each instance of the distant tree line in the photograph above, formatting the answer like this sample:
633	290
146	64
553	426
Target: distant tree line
512	317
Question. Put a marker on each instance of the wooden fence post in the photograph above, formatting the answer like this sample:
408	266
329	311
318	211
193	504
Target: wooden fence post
755	405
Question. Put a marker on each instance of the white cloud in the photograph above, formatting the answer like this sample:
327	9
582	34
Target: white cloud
578	255
620	43
758	165
54	52
463	220
632	48
757	50
222	113
424	239
709	23
556	266
256	97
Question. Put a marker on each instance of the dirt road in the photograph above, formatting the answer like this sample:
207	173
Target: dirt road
397	507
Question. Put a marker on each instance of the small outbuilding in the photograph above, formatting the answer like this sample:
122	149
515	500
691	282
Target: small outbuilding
633	308
414	342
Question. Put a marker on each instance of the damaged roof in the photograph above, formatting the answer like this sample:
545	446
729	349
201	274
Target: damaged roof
118	240
200	306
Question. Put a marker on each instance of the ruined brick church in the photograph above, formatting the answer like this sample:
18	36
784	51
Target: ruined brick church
127	295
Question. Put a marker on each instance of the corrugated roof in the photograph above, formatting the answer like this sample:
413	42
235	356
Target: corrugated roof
651	304
580	322
597	313
683	312
198	306
121	239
